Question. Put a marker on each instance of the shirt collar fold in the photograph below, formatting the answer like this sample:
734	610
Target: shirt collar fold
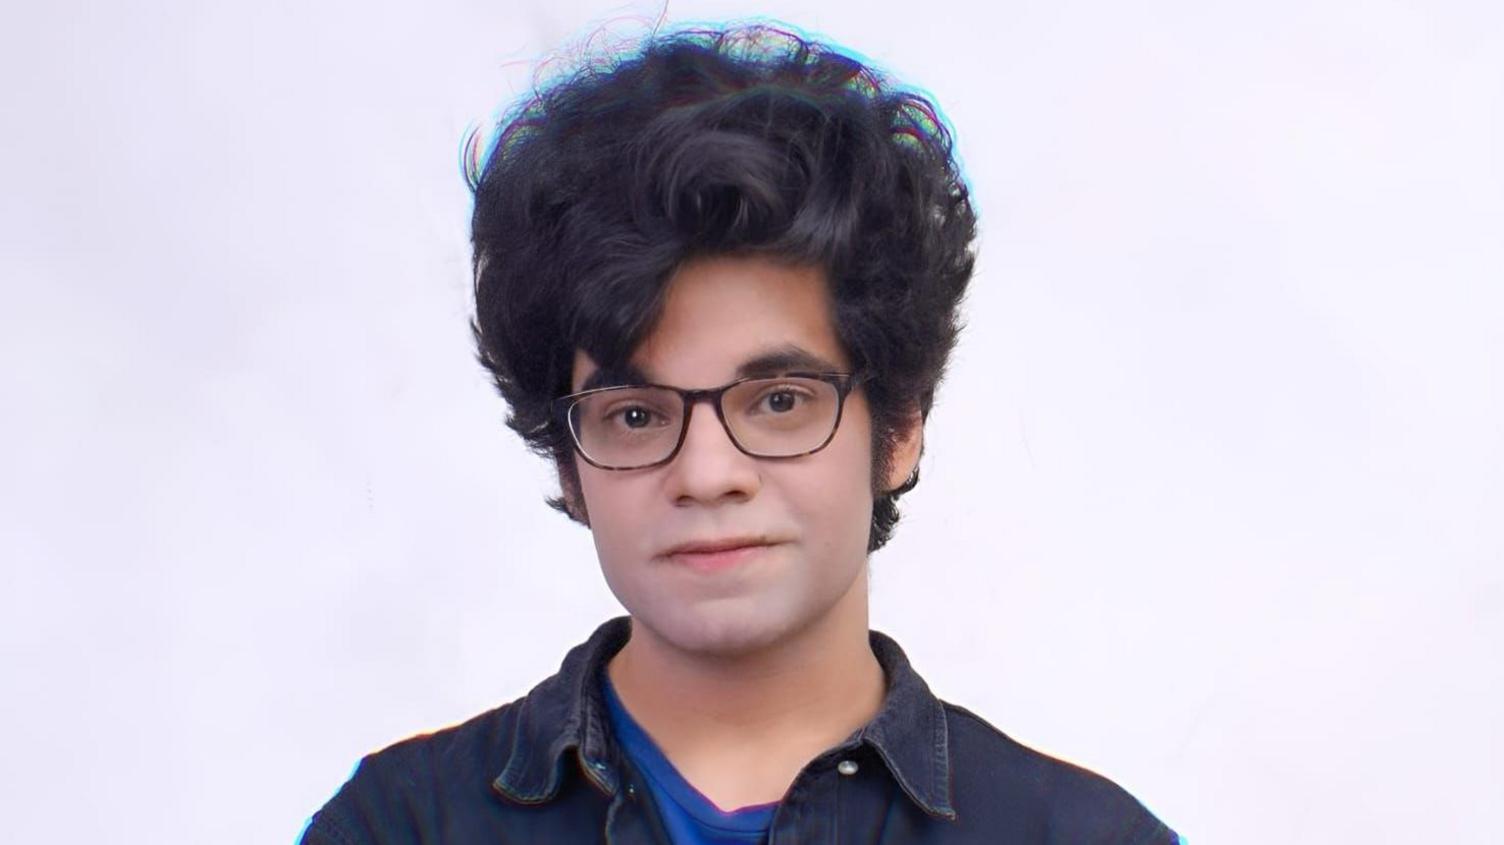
568	711
910	733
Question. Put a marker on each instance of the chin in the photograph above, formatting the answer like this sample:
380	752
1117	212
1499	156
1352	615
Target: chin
717	628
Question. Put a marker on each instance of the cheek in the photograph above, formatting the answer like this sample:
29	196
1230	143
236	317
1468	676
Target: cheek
833	494
616	506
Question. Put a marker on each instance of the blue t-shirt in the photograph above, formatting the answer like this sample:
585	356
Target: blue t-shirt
689	817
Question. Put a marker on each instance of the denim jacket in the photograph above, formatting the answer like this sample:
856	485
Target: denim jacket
546	769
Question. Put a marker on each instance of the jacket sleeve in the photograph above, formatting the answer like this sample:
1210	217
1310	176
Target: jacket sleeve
324	830
381	804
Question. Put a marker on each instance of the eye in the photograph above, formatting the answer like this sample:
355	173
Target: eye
633	416
780	400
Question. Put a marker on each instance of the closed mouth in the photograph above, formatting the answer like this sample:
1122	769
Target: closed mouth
704	547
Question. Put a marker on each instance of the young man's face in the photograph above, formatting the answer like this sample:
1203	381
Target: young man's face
814	511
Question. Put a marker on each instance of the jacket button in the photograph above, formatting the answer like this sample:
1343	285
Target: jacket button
846	767
632	791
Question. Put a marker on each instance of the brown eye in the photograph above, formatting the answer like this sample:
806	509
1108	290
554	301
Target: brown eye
781	401
635	417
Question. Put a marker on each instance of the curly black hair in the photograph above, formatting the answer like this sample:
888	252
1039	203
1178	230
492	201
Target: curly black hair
748	140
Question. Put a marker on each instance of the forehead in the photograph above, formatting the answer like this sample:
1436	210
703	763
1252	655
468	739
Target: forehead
723	315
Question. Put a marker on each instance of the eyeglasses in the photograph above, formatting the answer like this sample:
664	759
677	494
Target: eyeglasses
643	425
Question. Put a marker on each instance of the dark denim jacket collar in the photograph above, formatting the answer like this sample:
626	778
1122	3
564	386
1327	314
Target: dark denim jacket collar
568	711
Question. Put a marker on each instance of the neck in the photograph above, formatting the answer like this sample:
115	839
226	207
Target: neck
790	700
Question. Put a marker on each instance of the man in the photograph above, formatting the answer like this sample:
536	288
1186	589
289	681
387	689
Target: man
717	283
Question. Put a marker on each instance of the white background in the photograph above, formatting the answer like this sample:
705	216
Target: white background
1212	496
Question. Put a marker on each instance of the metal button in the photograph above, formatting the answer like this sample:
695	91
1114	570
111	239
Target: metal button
846	767
631	790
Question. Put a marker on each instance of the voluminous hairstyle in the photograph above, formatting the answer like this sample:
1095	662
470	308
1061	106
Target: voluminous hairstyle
744	141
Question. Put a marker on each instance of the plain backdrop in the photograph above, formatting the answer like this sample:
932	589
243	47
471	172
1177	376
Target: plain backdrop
1212	494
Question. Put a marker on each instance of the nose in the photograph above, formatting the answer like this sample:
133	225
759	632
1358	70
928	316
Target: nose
709	469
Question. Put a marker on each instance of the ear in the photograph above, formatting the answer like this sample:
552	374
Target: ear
907	447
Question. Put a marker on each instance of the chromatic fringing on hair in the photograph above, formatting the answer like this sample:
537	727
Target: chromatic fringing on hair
750	141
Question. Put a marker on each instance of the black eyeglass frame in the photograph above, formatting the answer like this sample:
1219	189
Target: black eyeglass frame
844	383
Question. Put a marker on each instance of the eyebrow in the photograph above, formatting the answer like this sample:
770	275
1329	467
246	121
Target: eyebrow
776	361
783	359
617	376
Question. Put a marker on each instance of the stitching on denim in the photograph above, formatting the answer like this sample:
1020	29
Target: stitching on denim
940	763
941	760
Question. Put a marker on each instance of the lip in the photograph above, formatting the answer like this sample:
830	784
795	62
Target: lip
717	555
